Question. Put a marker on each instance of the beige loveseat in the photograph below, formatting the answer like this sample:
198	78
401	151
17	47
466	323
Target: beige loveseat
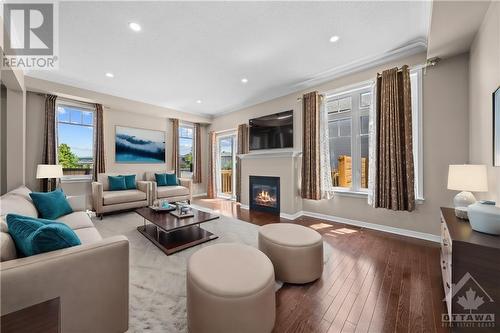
91	280
174	193
105	201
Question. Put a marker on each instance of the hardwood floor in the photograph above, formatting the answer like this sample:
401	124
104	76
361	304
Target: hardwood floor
373	282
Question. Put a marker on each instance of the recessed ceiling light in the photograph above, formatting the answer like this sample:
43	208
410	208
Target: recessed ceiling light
198	101
334	39
244	80
110	75
134	26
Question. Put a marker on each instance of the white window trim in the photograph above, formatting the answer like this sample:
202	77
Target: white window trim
191	126
417	114
80	105
219	136
355	190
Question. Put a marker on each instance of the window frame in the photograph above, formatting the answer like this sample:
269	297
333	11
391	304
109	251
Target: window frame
189	126
84	107
417	131
355	114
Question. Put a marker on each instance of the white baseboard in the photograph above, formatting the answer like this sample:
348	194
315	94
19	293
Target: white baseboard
367	225
379	227
199	195
291	216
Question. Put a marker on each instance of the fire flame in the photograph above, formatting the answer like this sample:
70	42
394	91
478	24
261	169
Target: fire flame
265	198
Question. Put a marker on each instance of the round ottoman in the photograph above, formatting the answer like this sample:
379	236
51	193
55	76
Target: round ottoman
296	251
230	288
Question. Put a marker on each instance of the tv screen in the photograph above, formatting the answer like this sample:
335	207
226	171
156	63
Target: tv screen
272	131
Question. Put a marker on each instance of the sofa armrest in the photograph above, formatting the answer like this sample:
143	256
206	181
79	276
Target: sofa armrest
154	193
91	280
97	190
145	186
186	182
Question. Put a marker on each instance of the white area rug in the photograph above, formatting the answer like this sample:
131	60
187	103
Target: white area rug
158	281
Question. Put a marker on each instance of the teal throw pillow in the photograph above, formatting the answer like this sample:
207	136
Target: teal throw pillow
51	205
33	236
117	183
161	179
171	179
129	182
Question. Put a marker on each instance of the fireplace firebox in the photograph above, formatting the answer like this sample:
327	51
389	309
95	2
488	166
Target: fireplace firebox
265	194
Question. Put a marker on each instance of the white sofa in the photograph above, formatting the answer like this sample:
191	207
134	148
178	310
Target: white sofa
174	193
91	280
105	201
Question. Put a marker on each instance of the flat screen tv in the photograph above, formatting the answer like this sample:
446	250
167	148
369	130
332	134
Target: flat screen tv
272	131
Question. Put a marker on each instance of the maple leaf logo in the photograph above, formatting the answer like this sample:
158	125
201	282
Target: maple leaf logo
470	301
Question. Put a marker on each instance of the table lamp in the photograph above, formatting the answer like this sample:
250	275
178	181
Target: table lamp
49	171
466	178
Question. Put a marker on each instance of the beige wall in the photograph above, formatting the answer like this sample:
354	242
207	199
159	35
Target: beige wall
484	77
35	115
445	130
112	117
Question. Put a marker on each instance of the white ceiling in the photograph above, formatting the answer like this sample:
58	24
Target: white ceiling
200	51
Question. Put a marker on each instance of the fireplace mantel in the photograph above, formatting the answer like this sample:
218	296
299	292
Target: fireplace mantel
271	154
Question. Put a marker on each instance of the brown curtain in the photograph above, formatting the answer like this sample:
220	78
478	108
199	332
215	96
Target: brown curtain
394	186
99	161
49	140
197	154
241	149
310	147
175	146
211	166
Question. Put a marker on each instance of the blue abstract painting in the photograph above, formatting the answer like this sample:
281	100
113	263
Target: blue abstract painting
136	145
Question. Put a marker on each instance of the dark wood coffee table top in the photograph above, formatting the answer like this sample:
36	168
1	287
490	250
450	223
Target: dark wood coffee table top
168	222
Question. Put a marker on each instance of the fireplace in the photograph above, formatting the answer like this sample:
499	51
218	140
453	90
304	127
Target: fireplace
265	194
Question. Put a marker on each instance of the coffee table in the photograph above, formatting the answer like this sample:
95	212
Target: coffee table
171	234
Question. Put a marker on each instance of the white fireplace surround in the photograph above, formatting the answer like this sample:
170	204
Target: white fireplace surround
283	163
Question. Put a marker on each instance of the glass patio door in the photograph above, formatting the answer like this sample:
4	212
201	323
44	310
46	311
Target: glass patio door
226	165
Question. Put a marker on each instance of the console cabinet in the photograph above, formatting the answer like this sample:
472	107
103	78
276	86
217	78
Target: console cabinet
470	260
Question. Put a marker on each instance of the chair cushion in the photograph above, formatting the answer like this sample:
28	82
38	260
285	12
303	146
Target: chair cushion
117	197
33	236
171	179
18	201
117	183
130	182
172	191
88	235
76	220
51	205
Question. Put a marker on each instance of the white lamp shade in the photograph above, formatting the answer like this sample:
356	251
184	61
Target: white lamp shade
49	171
468	177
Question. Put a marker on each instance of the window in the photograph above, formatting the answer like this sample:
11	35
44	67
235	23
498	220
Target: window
75	139
348	124
186	151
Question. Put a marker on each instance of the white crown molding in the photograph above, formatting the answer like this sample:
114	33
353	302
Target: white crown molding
414	47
